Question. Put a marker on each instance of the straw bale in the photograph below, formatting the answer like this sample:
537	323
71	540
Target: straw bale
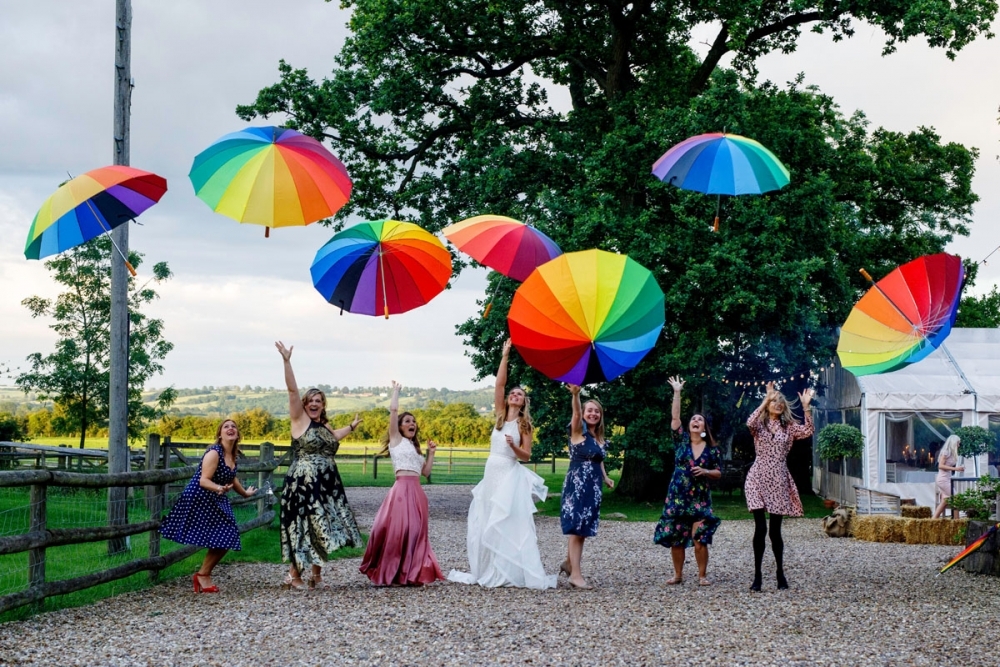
916	512
934	531
876	528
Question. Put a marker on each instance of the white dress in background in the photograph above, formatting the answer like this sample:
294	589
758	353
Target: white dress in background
501	541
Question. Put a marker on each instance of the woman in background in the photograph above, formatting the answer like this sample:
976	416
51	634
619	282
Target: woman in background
947	464
315	517
202	515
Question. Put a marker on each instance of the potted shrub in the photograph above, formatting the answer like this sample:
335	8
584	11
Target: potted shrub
975	440
840	441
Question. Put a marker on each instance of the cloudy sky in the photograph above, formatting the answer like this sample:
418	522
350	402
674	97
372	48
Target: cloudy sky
235	292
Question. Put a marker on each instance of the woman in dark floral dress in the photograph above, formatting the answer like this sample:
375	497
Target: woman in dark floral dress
315	517
687	518
769	486
582	491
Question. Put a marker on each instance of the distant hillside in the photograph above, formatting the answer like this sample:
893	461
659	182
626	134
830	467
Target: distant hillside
226	400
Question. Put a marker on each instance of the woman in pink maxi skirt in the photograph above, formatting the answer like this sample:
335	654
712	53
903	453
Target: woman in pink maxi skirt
399	552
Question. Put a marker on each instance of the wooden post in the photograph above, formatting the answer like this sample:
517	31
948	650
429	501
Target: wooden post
364	462
264	478
154	498
118	353
36	557
152	459
553	463
61	460
451	453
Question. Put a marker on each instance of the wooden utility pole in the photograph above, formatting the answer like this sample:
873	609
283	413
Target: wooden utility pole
118	400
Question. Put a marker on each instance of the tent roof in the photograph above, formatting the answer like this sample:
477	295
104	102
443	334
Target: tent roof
963	374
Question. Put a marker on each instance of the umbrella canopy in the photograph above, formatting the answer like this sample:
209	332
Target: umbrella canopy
586	316
381	268
504	244
722	164
903	317
89	205
270	176
971	548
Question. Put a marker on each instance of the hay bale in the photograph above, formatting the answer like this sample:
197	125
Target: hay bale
935	531
916	512
877	528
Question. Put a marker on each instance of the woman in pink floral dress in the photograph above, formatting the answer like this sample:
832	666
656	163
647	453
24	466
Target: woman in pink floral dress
769	486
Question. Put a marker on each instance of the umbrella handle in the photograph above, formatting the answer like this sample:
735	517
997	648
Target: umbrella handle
267	232
715	226
131	269
867	275
489	307
386	308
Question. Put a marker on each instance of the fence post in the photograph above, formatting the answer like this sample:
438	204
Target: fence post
553	463
451	453
374	466
364	462
264	477
36	557
152	458
61	460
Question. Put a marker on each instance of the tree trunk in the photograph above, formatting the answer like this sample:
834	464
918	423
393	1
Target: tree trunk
640	482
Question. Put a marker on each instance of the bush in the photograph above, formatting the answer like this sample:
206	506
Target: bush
975	440
977	503
840	441
12	429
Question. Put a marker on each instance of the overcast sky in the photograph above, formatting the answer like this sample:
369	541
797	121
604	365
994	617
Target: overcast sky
235	292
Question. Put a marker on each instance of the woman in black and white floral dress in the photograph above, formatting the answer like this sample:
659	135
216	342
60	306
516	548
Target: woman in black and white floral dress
315	517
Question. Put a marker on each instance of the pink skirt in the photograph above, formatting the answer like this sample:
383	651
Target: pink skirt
398	551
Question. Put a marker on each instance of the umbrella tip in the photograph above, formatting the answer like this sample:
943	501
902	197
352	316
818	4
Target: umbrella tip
130	268
489	307
867	275
267	232
715	225
386	311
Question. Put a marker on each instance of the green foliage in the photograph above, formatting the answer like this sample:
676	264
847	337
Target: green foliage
75	376
437	124
980	311
840	441
975	440
978	503
13	429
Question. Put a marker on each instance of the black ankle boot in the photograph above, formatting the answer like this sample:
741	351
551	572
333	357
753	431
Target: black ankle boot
782	582
755	586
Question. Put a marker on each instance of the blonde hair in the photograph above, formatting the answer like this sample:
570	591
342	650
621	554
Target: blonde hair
599	431
399	422
786	416
305	400
950	447
524	423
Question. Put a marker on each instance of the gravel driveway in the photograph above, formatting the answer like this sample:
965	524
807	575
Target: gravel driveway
851	603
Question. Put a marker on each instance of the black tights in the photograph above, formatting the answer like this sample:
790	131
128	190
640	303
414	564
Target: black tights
760	533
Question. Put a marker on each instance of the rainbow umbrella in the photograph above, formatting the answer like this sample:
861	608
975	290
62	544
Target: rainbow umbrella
510	247
980	541
385	266
586	316
721	164
270	176
91	204
904	317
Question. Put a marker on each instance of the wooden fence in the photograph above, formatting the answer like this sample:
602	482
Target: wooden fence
160	472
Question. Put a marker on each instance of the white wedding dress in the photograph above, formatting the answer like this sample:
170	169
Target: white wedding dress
501	541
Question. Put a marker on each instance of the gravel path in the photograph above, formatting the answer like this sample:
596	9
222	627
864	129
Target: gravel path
851	603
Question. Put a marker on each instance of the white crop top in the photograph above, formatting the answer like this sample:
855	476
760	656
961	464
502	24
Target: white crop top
405	457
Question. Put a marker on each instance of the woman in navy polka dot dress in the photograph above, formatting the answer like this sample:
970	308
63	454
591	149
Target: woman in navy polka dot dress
202	515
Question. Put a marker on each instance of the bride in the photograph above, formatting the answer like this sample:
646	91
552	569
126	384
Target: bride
501	542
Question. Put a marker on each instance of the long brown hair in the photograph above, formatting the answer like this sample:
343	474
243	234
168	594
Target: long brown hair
236	446
309	394
399	423
599	431
524	423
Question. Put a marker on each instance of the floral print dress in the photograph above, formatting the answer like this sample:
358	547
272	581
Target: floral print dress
581	494
689	499
315	517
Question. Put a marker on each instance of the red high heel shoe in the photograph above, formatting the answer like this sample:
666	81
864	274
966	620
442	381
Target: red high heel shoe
198	588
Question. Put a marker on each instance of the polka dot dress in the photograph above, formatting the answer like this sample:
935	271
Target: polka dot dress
201	517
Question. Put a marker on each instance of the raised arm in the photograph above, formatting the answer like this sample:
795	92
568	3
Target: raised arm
295	409
344	431
394	437
675	407
576	423
500	388
754	421
799	431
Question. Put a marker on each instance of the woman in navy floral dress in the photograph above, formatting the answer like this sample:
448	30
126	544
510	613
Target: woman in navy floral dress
581	495
202	515
687	518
